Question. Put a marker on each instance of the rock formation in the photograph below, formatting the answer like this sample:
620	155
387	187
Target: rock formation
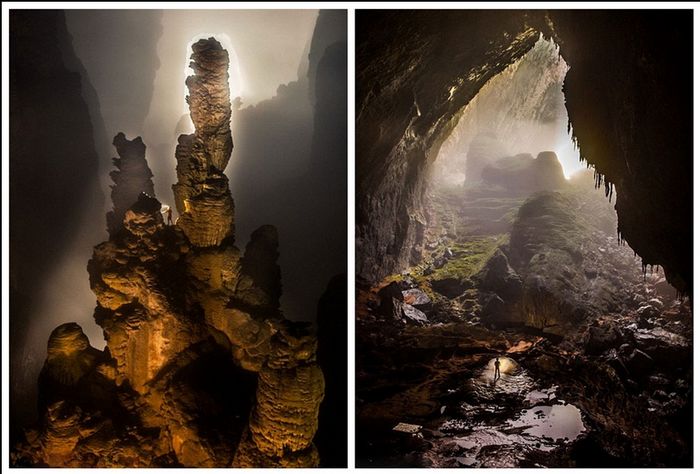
555	292
522	174
131	178
561	267
187	320
54	189
202	196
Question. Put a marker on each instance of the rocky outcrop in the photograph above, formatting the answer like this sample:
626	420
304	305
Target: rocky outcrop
522	174
187	321
560	266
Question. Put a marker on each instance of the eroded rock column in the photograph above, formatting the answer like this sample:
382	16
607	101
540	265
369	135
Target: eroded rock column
202	195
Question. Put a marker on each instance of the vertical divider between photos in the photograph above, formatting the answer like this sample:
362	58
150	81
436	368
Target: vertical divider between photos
351	237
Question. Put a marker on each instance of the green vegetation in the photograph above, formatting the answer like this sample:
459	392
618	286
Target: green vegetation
469	257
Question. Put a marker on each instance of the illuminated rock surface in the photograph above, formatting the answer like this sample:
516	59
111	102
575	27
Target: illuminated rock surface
202	195
189	321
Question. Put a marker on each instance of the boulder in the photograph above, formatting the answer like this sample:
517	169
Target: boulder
449	287
522	174
599	339
413	314
498	276
415	297
639	363
391	301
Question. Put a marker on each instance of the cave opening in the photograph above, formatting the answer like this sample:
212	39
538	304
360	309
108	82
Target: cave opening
504	242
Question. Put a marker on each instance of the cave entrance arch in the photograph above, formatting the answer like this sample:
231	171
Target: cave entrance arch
519	111
507	185
626	98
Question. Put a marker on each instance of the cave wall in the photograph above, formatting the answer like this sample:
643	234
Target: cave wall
416	71
291	155
627	97
54	186
120	68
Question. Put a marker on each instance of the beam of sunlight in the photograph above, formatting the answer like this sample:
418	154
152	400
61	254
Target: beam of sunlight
521	110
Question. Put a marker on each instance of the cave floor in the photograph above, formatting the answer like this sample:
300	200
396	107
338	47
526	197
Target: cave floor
566	403
613	389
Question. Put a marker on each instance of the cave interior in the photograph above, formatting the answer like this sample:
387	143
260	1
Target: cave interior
182	352
524	183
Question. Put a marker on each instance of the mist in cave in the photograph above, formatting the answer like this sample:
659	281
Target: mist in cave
522	110
504	321
81	76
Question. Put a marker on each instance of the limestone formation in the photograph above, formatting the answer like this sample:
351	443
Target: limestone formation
189	323
202	195
131	178
522	174
284	420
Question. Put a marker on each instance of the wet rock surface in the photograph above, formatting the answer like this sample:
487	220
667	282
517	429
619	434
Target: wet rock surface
554	405
200	369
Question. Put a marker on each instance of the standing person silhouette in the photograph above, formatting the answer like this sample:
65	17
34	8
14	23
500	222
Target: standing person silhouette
169	213
496	369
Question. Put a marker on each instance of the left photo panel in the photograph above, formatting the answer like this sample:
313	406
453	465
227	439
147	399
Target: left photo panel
178	238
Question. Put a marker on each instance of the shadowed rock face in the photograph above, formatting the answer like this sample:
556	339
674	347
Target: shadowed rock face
132	177
416	72
627	97
190	324
53	185
296	143
412	88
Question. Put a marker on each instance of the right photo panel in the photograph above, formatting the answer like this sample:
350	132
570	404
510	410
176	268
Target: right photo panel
524	238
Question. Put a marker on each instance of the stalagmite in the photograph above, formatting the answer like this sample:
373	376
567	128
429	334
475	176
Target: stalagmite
131	178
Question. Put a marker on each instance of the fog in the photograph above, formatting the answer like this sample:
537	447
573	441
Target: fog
129	67
521	110
265	48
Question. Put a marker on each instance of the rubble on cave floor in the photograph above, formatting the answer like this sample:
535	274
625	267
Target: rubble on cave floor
438	376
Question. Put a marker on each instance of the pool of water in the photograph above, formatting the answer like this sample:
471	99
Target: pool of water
505	419
557	422
513	380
